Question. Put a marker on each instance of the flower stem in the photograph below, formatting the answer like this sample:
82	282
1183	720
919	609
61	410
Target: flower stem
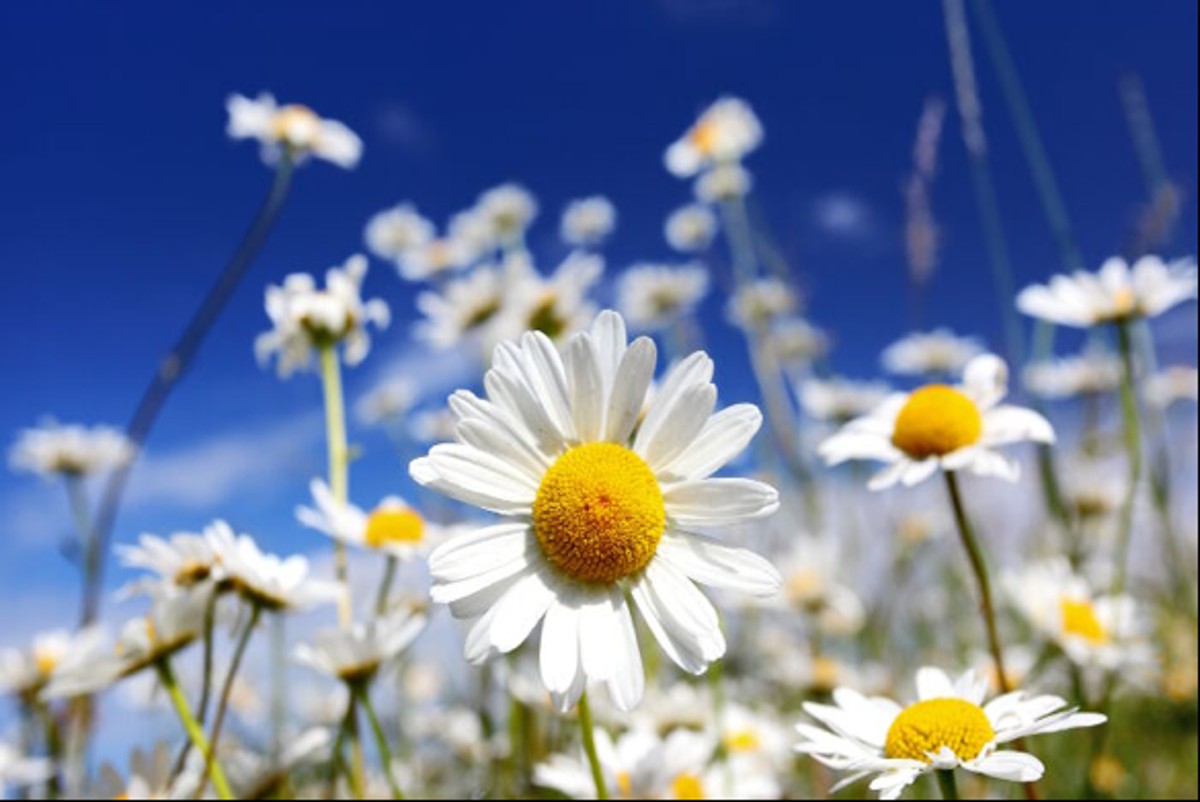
385	752
1133	448
227	687
385	586
335	430
213	768
336	760
589	746
89	552
945	781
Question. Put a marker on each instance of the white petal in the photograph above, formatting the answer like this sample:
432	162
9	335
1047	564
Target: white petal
558	655
679	427
585	386
519	611
1008	424
933	683
628	679
713	502
709	562
985	380
1008	765
725	435
630	383
479	550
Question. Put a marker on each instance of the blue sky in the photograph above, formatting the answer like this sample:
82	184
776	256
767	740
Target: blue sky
121	196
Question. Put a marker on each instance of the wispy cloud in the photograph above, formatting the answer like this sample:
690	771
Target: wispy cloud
843	215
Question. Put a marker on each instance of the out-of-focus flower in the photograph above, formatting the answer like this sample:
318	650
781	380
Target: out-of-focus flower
935	353
723	134
388	401
392	527
1174	384
394	233
306	319
466	307
436	258
257	776
25	673
183	561
432	426
757	305
948	727
1093	490
360	653
55	449
588	221
690	228
839	400
723	182
264	579
653	296
509	209
294	128
795	341
810	583
19	772
941	427
557	305
151	776
1114	294
1090	373
754	737
595	510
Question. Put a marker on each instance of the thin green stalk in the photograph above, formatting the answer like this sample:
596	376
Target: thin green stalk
1133	449
385	752
227	687
385	586
54	748
336	760
589	746
194	732
88	547
278	687
947	784
210	611
335	430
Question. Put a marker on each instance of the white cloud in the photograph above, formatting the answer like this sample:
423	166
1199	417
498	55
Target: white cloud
844	215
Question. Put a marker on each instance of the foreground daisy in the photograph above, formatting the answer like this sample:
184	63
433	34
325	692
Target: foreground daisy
935	353
54	449
948	727
939	427
595	509
654	296
392	527
723	134
1116	293
294	129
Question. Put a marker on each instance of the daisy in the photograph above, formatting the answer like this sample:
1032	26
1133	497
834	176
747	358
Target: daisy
472	234
838	400
509	209
947	727
723	134
18	771
263	579
751	737
55	449
691	228
1116	293
392	527
724	182
1172	385
306	319
1090	373
652	296
184	560
360	653
942	427
796	341
151	776
463	308
588	221
293	129
394	233
811	572
388	401
595	509
935	353
757	305
557	305
435	259
24	673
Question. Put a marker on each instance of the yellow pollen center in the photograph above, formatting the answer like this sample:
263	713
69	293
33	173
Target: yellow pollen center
804	586
1124	301
393	525
687	786
825	673
1079	619
742	741
935	421
45	661
297	125
704	137
624	785
599	513
925	727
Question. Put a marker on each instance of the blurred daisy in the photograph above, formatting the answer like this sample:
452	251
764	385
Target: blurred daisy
557	305
750	736
388	401
263	579
1114	294
723	182
55	449
435	259
306	319
295	129
1091	373
588	221
652	296
151	776
796	341
811	572
691	228
942	427
392	527
756	306
360	653
394	233
432	426
509	209
1110	632
838	400
24	673
259	776
1094	490
935	353
463	308
17	771
724	133
595	509
1172	385
947	727
472	234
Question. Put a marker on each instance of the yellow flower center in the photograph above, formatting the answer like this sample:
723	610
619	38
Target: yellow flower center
192	572
1079	619
296	125
45	660
687	786
546	317
935	421
825	673
392	525
599	513
804	586
925	727
742	741
1124	302
704	137
624	785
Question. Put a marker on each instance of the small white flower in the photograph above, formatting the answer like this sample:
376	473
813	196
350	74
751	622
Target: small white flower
942	427
25	673
796	341
753	737
264	579
691	228
294	128
555	305
388	401
472	235
722	183
509	209
363	651
588	221
653	296
463	308
1172	385
394	233
436	258
151	776
305	319
392	527
948	727
1114	294
757	305
812	583
935	353
1090	373
724	133
183	560
838	400
20	772
55	449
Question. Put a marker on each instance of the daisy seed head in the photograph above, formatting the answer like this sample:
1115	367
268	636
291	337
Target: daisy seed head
935	421
926	727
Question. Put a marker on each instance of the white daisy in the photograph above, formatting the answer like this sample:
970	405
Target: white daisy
54	449
435	259
394	233
653	296
724	182
588	221
392	527
463	308
838	400
19	772
1172	385
941	427
472	234
183	560
388	401
724	133
509	209
750	736
265	579
595	509
947	727
935	353
557	305
151	776
306	319
757	305
363	651
811	582
1114	294
691	228
293	128
796	341
25	673
1090	373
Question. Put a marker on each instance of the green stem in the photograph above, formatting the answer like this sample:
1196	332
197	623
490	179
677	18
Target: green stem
385	586
227	687
947	784
335	430
54	747
385	752
336	760
192	727
1133	448
589	746
88	545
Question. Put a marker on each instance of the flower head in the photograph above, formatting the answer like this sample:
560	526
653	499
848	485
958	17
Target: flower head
758	305
181	561
795	341
392	527
942	427
652	296
265	579
935	353
294	129
464	308
360	653
395	233
19	771
723	134
555	305
588	221
723	182
1114	294
388	401
508	210
838	400
55	449
26	672
598	501
1090	373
